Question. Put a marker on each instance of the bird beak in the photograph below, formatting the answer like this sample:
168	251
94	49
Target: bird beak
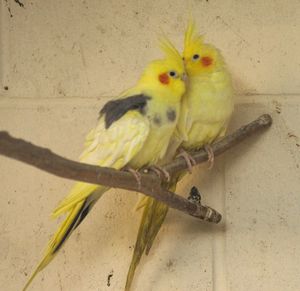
184	77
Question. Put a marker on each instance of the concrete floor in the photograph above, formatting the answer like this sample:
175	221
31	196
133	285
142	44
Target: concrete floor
60	61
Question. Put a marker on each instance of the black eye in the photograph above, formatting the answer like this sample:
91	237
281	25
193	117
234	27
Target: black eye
173	74
195	57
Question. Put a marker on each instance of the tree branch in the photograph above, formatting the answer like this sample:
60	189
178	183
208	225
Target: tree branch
151	185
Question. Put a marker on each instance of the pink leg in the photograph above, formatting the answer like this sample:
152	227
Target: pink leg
190	161
135	174
159	170
211	156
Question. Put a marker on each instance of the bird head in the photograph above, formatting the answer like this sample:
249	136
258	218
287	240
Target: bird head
167	75
199	57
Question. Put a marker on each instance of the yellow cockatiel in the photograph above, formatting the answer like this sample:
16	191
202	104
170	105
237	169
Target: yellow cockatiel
205	112
133	130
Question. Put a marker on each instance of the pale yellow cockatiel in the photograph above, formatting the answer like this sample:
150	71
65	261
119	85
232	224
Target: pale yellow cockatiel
133	130
205	112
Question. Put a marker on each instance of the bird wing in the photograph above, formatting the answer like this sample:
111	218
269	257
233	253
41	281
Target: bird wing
108	147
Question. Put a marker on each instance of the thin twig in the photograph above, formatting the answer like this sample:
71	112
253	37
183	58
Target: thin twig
151	185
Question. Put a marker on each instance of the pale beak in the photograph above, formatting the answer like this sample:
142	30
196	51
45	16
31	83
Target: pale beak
184	77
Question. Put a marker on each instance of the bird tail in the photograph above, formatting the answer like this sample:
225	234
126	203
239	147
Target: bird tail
75	216
153	217
78	193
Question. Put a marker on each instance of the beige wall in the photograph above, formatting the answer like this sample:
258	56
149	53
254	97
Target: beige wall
61	60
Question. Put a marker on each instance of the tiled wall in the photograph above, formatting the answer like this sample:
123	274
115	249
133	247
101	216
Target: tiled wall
61	60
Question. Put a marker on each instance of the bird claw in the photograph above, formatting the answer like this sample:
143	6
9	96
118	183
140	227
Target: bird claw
190	161
211	155
160	171
135	174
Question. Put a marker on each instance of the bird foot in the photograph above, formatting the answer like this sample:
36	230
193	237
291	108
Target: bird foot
135	174
190	161
159	171
211	155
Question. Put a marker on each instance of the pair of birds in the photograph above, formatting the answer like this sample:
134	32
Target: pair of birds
149	123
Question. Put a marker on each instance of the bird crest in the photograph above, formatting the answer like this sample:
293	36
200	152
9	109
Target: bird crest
192	38
170	51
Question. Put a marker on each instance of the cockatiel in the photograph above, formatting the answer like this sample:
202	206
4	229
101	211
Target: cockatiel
205	112
133	131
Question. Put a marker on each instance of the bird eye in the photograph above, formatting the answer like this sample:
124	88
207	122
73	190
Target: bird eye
173	74
195	57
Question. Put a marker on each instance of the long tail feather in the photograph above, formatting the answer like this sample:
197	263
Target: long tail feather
79	192
141	242
160	211
72	221
153	217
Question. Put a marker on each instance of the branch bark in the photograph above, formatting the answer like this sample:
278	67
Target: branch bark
151	185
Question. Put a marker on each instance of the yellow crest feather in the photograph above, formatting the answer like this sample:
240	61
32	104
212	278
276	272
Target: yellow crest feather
169	49
191	36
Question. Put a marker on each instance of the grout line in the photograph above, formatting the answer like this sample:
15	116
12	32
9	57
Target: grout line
1	44
56	98
219	270
239	97
268	94
12	102
219	263
4	43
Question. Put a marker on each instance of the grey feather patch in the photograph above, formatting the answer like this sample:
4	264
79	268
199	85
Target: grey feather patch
76	221
85	209
115	109
157	120
171	114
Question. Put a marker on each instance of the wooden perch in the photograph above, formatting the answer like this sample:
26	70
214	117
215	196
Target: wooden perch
151	184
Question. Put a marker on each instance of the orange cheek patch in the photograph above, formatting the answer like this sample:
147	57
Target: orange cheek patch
164	78
206	61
